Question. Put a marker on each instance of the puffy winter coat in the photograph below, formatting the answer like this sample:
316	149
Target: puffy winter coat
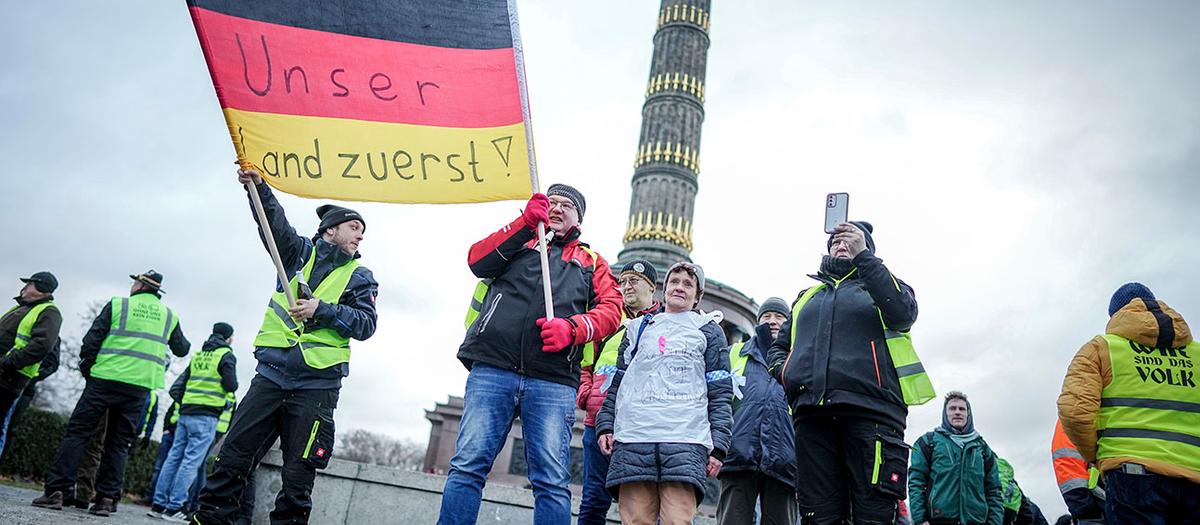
948	481
763	439
840	360
684	462
1091	371
505	335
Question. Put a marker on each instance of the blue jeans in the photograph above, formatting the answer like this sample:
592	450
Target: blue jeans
201	476
193	435
596	500
7	418
164	448
494	398
1150	499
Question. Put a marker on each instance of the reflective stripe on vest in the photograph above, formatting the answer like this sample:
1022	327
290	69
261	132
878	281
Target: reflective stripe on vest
737	361
135	350
227	414
481	290
915	385
321	348
1151	409
151	406
203	387
25	334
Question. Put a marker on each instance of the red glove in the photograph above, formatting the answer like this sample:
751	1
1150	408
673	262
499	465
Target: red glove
536	210
557	333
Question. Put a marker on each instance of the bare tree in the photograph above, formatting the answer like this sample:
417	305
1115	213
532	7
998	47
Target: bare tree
378	449
59	392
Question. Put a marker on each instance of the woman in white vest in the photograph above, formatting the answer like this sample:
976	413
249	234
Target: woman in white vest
669	427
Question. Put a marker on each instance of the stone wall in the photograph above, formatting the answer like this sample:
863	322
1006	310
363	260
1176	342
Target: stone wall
356	493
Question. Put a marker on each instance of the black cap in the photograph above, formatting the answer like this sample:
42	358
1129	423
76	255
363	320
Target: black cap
150	278
45	282
643	269
332	216
223	329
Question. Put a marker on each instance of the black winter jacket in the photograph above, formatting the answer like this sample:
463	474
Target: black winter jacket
227	368
839	362
763	439
658	462
505	334
43	341
353	316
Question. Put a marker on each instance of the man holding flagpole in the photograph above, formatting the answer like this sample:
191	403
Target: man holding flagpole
303	352
523	364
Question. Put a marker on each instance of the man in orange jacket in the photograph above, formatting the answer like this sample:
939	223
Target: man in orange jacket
1085	503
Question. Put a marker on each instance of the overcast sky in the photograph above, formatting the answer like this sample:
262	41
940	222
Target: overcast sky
1020	160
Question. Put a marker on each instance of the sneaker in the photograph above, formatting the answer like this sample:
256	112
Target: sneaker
104	507
53	500
175	517
155	511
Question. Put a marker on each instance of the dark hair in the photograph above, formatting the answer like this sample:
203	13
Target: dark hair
955	394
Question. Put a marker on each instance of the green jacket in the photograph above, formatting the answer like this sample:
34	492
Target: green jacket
946	481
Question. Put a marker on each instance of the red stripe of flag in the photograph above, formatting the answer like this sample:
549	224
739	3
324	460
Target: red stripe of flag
321	74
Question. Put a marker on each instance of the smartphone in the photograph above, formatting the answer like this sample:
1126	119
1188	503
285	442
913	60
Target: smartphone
837	207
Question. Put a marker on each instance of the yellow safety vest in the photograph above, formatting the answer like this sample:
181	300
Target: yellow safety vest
135	350
321	348
227	414
914	382
1151	409
25	334
204	379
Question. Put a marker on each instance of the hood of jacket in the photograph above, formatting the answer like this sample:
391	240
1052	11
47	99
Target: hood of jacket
1150	323
213	342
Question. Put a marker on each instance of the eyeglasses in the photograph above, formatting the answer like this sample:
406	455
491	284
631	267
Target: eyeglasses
565	205
629	280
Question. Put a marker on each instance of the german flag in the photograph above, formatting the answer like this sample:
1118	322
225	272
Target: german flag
412	101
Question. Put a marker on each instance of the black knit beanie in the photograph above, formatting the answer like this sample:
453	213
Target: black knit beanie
866	228
332	216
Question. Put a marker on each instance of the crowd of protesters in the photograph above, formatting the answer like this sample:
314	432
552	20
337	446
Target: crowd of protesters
803	422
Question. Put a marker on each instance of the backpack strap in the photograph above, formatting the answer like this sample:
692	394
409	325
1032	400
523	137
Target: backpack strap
925	443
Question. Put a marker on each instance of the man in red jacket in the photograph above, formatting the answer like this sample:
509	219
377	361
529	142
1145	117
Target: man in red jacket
523	364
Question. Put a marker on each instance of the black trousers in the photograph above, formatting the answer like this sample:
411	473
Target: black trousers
835	460
123	410
303	422
740	491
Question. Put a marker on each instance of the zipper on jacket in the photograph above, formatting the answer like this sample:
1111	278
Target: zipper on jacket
488	316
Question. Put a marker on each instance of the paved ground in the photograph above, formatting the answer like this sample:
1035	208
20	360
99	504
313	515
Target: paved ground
16	510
